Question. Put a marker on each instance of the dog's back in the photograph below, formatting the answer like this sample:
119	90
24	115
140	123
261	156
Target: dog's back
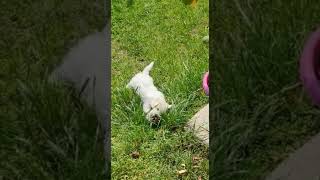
142	79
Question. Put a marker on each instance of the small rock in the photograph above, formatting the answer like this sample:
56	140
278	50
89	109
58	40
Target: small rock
205	39
182	172
199	124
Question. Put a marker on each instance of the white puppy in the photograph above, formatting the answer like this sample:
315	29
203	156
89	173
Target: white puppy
154	103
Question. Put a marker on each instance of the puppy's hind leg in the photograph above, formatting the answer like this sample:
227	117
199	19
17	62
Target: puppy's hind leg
147	69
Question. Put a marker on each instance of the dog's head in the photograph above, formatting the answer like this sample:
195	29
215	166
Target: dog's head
153	115
157	108
153	118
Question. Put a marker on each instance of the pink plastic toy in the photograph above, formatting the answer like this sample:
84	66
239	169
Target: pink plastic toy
205	83
310	67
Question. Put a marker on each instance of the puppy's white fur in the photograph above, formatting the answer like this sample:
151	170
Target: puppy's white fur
154	103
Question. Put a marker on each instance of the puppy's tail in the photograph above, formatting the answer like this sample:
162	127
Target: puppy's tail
147	69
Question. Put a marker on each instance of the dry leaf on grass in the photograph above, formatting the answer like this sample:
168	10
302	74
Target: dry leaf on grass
135	154
195	160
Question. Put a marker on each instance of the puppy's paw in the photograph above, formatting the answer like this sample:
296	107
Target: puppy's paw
154	119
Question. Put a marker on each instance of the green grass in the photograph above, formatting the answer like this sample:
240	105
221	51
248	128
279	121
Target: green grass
45	132
169	33
260	115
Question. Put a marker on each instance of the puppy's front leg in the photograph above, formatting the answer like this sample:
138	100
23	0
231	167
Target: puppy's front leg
146	108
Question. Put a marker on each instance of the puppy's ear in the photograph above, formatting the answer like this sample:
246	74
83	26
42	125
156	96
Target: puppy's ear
154	103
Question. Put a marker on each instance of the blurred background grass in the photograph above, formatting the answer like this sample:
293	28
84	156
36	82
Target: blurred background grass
45	132
260	111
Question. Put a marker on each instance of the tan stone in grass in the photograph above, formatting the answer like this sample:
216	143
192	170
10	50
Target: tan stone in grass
199	124
303	164
182	172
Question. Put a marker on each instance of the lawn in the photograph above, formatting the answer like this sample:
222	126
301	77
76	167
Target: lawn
261	113
45	132
170	34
